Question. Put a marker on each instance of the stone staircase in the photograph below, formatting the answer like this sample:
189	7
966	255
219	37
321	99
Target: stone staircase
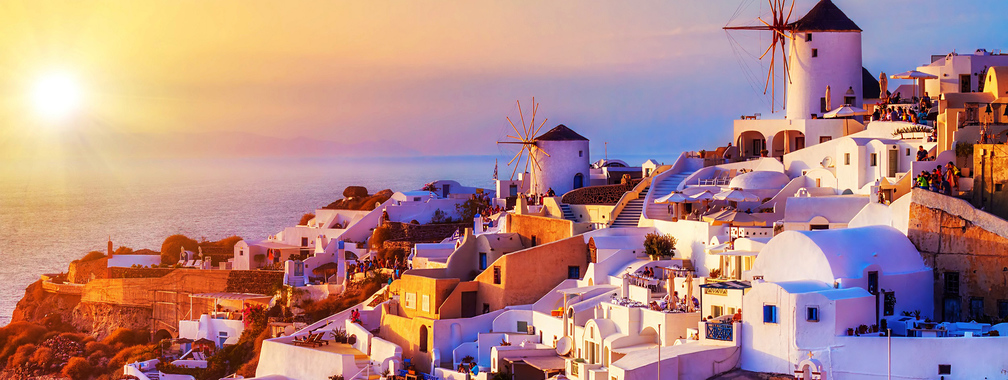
567	213
631	213
362	361
663	188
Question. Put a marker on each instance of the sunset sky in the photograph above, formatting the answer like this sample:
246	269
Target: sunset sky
645	76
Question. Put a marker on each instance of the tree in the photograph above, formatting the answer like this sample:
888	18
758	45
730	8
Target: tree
172	247
440	217
306	218
658	245
470	208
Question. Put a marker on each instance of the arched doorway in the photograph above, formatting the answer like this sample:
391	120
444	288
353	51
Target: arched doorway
787	141
751	143
423	338
578	181
162	335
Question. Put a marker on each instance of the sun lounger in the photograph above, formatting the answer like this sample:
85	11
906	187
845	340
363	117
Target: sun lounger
306	340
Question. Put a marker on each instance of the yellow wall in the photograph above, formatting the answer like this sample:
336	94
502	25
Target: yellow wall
405	332
436	289
528	274
545	229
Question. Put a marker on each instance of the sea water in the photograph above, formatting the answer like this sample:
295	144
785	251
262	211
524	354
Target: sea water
53	214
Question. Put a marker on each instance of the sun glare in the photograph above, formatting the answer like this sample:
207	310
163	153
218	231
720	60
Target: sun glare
55	97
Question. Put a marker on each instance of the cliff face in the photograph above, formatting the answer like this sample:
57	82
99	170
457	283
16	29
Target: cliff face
100	319
97	319
37	303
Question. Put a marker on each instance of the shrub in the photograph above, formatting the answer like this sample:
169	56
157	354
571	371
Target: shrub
440	217
124	337
468	209
659	245
93	255
379	236
354	192
123	251
715	273
306	218
78	368
172	247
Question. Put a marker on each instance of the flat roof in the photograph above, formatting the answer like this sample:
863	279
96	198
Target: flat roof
230	296
586	289
542	363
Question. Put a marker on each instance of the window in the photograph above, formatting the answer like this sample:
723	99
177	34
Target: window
964	83
998	186
908	152
769	313
1002	309
815	227
944	369
873	282
849	100
241	252
874	159
822	105
976	307
580	153
846	158
497	274
823	139
574	272
808	37
815	53
889	300
522	326
304	242
534	240
716	311
482	261
951	282
812	314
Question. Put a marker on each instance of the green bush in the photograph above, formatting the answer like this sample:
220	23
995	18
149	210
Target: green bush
658	245
93	255
172	247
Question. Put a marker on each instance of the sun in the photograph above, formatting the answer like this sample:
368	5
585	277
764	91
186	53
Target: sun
56	96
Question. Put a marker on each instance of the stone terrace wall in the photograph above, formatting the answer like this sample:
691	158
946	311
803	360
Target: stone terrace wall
423	233
118	272
253	281
952	236
596	195
80	272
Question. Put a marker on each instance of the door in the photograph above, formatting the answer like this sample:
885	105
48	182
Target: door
578	181
799	143
951	309
893	162
468	304
757	146
445	190
513	190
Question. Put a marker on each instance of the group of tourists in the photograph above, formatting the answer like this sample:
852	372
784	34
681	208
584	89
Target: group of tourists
938	180
369	264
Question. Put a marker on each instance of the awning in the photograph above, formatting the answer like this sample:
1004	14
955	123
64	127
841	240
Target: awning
727	285
586	289
275	245
232	296
546	363
736	253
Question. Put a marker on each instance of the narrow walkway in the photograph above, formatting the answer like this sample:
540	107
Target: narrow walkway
630	215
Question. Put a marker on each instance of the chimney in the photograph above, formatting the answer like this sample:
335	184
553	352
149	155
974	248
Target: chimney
110	246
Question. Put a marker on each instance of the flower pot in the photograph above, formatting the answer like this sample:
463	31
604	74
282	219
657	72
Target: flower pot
850	331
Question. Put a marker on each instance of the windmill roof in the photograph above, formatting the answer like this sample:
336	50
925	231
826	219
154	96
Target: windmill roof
560	133
825	17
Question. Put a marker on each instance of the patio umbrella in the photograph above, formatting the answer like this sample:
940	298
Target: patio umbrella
325	269
846	111
702	196
915	76
828	106
672	197
883	82
736	195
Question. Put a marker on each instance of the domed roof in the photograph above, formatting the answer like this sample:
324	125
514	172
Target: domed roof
759	180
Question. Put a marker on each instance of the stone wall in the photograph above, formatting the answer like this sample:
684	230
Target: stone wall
957	240
100	320
423	233
990	178
80	272
597	195
119	272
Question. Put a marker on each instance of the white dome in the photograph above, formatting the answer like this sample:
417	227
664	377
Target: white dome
759	180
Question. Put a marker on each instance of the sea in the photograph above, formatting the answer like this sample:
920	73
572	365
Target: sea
53	213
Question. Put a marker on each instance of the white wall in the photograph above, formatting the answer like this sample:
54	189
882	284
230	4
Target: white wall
838	65
558	169
277	355
126	261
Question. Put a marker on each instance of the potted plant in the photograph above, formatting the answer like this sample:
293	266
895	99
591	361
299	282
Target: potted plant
850	331
658	246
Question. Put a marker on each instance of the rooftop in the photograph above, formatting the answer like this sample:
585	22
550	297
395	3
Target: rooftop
560	133
825	17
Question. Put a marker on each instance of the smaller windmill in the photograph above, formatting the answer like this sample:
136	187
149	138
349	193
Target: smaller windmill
526	138
780	29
